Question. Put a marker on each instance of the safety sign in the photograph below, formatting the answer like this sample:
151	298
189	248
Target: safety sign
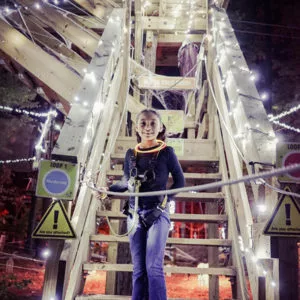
285	219
288	154
177	145
55	224
173	120
56	179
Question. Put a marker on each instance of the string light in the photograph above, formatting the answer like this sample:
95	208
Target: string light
285	113
22	111
18	160
220	27
285	126
51	114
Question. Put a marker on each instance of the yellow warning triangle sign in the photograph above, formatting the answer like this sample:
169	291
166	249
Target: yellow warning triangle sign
55	224
285	219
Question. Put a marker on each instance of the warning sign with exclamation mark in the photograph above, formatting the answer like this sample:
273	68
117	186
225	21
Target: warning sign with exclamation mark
285	219
55	224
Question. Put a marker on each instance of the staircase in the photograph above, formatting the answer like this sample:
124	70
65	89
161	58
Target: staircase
199	155
91	87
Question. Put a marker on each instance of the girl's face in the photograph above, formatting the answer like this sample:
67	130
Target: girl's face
148	126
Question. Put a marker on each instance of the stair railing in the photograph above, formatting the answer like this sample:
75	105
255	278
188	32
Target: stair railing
88	129
243	134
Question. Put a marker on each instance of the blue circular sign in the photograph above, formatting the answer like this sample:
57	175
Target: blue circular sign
56	182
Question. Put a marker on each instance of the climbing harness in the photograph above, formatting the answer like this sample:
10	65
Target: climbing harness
134	184
133	212
148	177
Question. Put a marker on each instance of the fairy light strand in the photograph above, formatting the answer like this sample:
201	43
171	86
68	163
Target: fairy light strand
17	160
286	126
285	113
22	111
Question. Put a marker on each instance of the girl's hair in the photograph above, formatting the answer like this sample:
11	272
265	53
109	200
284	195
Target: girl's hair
162	135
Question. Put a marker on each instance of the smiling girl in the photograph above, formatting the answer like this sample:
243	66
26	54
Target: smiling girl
150	162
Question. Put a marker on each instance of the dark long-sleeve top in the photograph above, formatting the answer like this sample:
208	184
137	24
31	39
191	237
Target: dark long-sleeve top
166	162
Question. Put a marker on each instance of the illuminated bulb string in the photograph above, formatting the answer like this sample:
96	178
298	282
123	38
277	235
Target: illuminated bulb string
252	77
22	111
18	160
285	113
285	126
252	256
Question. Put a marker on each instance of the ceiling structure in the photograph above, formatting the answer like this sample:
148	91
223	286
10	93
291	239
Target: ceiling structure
49	44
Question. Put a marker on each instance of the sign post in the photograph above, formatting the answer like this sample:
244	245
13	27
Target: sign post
287	154
56	179
285	219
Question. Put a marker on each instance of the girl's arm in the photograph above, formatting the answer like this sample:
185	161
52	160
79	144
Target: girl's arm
176	171
122	185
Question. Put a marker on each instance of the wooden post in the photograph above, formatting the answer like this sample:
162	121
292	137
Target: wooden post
138	39
213	254
150	60
286	250
261	288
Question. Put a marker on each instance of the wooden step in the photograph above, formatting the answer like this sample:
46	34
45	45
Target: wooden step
192	147
118	297
199	160
188	196
229	271
177	241
202	218
197	176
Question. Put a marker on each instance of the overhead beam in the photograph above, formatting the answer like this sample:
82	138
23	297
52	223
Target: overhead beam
166	83
102	80
42	65
171	23
96	8
89	22
51	43
165	39
86	40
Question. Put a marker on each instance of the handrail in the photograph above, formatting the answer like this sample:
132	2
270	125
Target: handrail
230	211
97	123
241	214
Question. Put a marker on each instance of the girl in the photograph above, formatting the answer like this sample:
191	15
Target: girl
150	162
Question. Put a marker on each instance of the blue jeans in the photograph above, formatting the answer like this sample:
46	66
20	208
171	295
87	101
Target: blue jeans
147	251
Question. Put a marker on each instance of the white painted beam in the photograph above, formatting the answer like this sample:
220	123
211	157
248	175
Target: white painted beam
248	112
50	43
84	39
171	23
96	8
92	93
39	63
177	38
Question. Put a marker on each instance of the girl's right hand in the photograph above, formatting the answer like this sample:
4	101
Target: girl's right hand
101	193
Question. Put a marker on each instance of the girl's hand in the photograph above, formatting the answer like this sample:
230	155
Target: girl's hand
100	195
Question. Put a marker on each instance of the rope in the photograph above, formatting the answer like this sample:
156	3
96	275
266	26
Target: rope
247	178
135	214
21	257
31	269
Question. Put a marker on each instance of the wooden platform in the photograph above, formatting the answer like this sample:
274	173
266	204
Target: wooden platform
202	218
117	297
179	241
168	269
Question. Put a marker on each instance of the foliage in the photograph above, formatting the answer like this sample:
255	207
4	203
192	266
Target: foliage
8	282
13	211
